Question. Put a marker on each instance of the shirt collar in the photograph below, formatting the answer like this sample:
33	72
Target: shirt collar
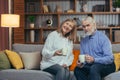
93	35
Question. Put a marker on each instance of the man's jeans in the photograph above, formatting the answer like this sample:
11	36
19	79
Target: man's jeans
93	71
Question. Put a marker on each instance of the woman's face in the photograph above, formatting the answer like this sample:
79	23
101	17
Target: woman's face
67	27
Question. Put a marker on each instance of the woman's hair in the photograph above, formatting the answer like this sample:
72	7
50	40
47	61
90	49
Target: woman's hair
90	20
72	34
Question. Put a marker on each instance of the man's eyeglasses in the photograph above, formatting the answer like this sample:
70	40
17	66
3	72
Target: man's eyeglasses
85	25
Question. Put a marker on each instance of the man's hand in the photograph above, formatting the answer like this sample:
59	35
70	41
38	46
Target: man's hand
89	59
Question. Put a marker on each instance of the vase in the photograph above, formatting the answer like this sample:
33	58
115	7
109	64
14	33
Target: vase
117	9
58	9
32	25
32	35
77	21
85	9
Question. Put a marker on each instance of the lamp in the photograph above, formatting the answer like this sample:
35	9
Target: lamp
10	20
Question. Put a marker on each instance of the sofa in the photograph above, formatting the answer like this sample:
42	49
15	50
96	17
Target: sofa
37	74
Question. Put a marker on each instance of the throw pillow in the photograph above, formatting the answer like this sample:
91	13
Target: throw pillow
117	60
4	62
31	60
74	63
15	59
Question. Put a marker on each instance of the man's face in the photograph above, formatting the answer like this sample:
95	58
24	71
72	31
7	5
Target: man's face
88	28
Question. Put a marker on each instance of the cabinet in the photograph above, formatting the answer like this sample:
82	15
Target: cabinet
108	20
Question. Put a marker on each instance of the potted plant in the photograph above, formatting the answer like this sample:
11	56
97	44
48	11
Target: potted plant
32	20
116	5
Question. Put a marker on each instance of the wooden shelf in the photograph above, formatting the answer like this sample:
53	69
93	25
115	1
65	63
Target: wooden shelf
28	8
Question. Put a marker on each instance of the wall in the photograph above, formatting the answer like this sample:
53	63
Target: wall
4	38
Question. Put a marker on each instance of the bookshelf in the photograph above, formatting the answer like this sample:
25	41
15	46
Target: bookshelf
58	10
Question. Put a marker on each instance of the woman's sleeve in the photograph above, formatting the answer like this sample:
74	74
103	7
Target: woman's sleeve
70	57
48	50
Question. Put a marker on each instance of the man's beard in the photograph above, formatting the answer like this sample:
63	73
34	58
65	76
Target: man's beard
89	33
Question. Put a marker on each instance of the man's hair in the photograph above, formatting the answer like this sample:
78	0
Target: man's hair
90	20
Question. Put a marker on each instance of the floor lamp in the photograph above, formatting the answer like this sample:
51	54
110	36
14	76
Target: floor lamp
10	20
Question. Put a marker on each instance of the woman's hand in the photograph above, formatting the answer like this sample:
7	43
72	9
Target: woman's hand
64	65
58	53
79	64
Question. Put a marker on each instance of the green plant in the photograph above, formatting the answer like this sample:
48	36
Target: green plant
116	3
31	18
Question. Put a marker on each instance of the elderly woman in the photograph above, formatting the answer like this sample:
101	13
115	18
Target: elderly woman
57	51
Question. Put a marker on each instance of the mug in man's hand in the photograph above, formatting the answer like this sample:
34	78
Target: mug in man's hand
82	58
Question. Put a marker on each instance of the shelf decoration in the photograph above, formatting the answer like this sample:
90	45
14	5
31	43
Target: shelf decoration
32	36
77	21
116	5
49	22
70	11
58	9
45	9
84	6
32	20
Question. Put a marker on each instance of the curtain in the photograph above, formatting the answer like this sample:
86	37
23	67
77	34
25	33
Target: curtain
4	32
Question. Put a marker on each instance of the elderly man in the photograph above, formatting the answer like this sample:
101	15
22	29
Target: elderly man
96	47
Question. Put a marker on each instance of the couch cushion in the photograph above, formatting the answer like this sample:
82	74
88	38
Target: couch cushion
4	62
27	47
113	76
76	46
15	59
23	74
116	47
31	60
